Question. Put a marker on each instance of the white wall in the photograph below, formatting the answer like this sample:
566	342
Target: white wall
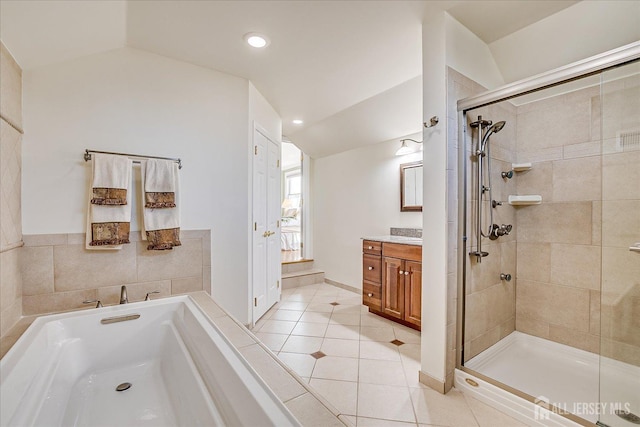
469	55
434	248
131	101
357	194
577	32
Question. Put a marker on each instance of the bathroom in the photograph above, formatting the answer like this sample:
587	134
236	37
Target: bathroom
60	112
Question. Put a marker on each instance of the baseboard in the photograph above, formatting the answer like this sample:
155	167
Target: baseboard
343	286
429	381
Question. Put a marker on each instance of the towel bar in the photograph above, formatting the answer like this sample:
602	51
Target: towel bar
87	156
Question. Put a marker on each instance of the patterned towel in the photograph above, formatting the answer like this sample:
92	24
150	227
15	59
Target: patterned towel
111	178
159	185
109	220
161	222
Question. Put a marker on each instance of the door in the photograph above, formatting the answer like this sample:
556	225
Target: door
413	292
393	287
620	244
266	222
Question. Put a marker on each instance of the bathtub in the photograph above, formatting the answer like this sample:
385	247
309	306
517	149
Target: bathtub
182	371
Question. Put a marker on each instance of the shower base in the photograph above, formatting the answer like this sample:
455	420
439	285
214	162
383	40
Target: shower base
567	377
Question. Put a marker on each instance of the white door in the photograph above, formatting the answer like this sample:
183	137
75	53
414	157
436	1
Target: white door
266	225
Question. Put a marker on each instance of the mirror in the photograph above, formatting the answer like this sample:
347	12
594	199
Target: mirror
411	187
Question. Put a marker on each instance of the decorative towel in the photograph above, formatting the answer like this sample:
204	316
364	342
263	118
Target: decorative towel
108	225
161	226
111	179
159	185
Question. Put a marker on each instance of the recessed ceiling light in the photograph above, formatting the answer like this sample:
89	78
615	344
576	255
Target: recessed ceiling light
297	122
256	40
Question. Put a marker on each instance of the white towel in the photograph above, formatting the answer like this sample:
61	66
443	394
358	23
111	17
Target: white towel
109	222
161	226
111	178
159	185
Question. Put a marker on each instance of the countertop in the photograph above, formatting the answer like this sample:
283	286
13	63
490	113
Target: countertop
396	239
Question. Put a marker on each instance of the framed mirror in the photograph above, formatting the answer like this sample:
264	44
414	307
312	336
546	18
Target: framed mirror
411	187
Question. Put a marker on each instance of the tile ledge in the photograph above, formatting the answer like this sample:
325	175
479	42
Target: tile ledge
266	349
12	246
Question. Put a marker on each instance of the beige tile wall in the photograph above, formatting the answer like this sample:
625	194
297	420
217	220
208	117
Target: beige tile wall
59	273
10	185
490	302
490	305
559	254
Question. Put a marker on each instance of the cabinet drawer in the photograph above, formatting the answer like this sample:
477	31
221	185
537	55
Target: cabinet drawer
372	268
396	250
371	247
371	295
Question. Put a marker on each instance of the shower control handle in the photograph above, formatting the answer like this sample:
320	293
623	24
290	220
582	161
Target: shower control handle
635	247
506	277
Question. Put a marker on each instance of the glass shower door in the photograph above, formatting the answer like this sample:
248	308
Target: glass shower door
620	241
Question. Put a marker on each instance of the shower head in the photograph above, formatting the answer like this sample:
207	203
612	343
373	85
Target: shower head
497	127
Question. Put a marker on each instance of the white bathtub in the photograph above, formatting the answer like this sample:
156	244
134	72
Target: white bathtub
65	369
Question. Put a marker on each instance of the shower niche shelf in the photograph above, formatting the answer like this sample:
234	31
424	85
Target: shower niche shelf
521	167
530	199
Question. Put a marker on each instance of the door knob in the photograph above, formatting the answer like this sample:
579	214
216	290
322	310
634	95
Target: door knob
401	272
370	268
406	273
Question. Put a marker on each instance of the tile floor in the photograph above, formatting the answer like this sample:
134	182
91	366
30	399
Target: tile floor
328	337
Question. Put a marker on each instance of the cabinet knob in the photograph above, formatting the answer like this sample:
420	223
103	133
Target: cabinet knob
401	272
370	268
406	273
370	295
370	247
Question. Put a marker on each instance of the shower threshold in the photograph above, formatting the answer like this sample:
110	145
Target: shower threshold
564	376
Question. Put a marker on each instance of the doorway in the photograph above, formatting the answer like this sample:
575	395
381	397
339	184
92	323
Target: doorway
292	231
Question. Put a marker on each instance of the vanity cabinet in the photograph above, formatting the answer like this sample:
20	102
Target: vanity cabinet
372	274
395	293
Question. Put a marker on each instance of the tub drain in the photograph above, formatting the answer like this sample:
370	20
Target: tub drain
628	416
123	387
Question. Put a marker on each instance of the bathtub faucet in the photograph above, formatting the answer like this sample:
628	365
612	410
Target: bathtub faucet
123	295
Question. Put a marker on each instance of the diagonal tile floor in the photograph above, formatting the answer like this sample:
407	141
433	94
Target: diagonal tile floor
363	364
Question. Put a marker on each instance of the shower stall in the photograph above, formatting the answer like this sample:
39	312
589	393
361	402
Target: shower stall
549	243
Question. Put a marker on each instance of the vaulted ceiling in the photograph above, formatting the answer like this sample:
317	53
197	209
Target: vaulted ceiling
349	69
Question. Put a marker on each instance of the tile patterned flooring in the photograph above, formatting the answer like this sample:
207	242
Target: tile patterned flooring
364	365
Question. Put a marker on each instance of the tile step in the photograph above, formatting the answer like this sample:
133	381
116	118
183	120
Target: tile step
302	278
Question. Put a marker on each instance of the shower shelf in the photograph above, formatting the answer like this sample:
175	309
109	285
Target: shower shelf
520	167
532	199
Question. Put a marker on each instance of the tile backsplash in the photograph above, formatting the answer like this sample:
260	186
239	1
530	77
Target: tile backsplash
58	273
406	232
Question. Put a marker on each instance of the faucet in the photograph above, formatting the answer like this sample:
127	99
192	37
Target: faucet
123	295
500	230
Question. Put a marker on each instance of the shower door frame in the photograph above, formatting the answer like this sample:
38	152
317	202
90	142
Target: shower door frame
577	70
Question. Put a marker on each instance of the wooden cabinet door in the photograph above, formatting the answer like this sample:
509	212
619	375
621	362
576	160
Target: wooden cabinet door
393	287
413	292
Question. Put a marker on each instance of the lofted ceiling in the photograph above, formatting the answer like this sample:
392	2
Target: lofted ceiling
350	69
